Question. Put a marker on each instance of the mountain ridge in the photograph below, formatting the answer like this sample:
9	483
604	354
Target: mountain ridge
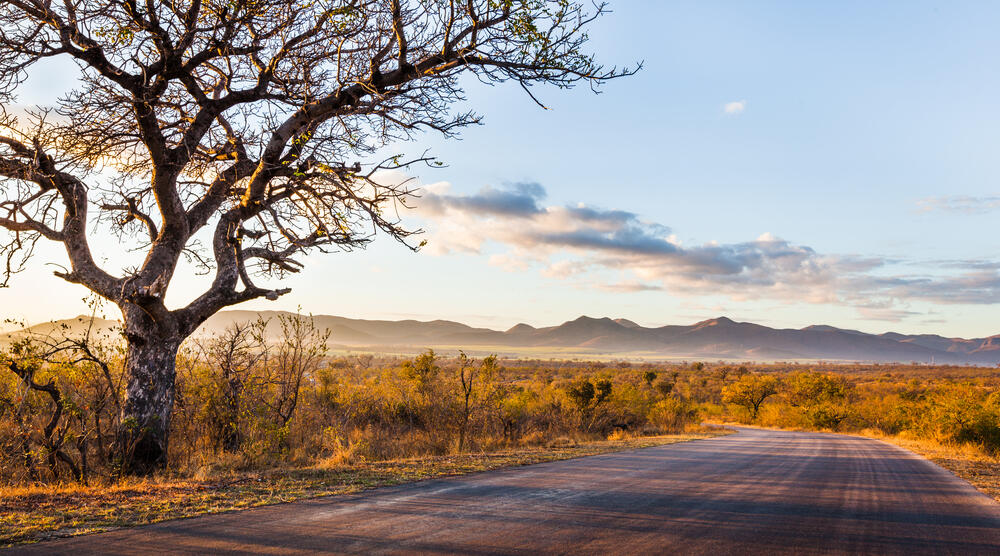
716	338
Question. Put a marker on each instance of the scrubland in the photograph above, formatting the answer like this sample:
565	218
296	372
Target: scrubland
260	420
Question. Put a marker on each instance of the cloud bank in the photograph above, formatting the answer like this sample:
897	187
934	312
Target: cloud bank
587	244
960	203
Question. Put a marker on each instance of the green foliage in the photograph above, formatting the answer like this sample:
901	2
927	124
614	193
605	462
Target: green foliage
664	386
672	414
423	369
750	392
602	390
581	394
819	397
810	388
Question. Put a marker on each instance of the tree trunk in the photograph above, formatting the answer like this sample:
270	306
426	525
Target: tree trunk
145	425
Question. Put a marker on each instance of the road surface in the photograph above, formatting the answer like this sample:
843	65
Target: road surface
755	492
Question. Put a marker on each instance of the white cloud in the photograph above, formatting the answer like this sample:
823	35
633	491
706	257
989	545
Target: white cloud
887	314
735	107
631	286
579	242
960	203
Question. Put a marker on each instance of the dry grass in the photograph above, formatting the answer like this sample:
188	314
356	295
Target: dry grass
39	513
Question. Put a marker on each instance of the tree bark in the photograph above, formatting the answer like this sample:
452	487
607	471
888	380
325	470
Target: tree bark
145	425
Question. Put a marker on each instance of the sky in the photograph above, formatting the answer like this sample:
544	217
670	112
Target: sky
784	163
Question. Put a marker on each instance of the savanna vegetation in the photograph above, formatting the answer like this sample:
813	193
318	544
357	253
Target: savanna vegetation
265	393
265	413
948	405
238	135
268	393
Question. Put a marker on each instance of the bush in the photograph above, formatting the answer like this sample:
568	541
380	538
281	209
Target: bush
672	415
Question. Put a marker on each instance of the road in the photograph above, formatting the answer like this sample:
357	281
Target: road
754	492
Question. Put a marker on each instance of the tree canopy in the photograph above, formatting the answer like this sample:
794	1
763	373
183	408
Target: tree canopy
250	116
250	121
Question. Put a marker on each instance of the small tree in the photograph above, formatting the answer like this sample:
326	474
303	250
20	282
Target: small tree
664	387
588	396
422	370
238	121
469	374
750	392
821	397
581	394
515	411
65	392
234	359
297	354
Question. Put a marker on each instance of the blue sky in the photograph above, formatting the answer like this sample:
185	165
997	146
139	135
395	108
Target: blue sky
853	182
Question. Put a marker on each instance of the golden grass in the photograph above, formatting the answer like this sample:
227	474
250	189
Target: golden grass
37	513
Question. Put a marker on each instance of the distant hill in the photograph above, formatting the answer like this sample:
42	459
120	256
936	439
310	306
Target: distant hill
73	327
719	338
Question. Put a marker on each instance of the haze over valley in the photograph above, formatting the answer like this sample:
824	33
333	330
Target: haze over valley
717	338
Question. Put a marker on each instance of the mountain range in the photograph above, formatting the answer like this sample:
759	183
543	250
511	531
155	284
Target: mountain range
718	338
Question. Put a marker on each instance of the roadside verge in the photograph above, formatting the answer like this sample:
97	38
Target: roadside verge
40	513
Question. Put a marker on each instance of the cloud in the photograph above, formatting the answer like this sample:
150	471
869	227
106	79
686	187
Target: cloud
735	107
887	314
968	264
979	287
586	243
960	203
519	200
631	287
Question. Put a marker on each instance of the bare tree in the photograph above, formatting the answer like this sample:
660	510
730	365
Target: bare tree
298	352
468	375
234	357
243	120
75	413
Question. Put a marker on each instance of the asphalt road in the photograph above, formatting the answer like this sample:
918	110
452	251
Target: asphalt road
755	492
